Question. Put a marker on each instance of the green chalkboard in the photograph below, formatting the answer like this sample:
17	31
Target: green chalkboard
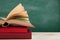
44	14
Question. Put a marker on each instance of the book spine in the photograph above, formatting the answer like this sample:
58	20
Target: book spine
16	35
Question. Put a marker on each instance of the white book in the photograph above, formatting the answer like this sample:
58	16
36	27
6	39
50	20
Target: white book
17	16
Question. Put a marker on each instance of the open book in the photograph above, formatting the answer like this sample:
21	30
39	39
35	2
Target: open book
18	16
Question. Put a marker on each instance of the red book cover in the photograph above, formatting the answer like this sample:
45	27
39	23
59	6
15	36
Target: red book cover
13	29
16	35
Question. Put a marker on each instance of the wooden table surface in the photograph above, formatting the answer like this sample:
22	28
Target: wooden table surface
42	36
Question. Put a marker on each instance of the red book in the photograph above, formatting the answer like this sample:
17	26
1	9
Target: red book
16	35
13	29
15	32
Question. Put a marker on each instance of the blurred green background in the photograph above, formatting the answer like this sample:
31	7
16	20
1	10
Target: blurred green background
43	14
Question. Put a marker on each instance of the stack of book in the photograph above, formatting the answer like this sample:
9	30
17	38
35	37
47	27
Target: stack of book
16	24
15	33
